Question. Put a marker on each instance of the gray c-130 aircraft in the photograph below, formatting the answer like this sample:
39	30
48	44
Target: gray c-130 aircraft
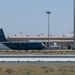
20	45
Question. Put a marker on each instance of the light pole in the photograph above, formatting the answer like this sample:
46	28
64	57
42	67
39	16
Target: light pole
74	23
21	34
48	12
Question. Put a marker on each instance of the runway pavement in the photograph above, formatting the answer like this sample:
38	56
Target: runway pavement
37	63
38	59
37	56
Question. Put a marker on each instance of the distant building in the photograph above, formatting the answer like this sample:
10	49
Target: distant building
63	41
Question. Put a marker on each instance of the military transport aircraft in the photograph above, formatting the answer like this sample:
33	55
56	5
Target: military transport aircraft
20	45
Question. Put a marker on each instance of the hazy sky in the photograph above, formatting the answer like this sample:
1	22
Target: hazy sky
29	16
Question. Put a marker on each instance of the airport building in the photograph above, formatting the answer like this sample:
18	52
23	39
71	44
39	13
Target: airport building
63	41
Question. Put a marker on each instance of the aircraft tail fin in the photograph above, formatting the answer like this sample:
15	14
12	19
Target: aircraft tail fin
2	36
